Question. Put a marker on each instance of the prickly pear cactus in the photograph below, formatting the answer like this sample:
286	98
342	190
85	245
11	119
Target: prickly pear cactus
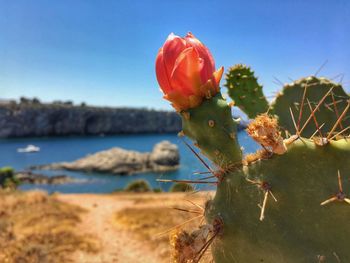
285	203
301	96
289	201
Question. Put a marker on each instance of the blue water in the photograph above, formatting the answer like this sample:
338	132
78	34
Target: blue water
71	148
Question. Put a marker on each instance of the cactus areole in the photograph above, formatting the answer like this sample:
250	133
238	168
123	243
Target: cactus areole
290	201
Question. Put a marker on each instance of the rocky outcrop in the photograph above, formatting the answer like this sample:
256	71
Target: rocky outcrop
32	178
28	120
164	157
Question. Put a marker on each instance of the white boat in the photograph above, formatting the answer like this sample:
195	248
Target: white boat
29	149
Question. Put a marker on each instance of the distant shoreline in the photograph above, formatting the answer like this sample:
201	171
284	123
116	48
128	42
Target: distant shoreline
34	119
31	118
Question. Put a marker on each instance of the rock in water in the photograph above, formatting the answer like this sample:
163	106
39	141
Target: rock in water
165	154
164	157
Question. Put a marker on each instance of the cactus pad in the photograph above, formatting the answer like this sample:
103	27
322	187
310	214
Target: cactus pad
327	113
295	227
213	130
245	91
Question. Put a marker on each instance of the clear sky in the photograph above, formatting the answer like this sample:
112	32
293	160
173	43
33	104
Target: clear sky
103	52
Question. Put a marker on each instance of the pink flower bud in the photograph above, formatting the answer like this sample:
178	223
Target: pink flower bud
186	72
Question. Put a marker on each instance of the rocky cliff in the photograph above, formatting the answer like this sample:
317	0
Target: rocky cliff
36	119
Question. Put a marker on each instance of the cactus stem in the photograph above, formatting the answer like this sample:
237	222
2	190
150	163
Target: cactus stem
340	196
339	120
317	107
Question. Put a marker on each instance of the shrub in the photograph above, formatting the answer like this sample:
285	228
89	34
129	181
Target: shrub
7	178
181	187
157	190
138	186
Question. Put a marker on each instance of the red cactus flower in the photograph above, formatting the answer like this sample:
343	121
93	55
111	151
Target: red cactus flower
186	72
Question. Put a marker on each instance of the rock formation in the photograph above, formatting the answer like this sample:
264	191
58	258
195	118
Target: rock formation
164	157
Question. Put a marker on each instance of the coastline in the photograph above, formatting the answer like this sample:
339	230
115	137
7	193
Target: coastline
20	120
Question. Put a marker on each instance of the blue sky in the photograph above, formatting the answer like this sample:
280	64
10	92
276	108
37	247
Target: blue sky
103	52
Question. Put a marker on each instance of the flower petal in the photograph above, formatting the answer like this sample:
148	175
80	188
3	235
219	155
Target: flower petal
172	48
162	75
204	53
186	73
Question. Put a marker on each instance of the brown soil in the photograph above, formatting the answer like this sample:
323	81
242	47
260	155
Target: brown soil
37	228
129	227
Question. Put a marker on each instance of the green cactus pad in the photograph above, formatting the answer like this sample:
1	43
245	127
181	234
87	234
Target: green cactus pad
296	228
213	130
291	97
245	91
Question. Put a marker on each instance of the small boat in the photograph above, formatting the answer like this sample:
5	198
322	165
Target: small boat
29	149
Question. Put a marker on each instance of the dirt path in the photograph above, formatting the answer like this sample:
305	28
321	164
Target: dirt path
117	245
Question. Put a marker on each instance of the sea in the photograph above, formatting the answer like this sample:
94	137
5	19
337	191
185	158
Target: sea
66	149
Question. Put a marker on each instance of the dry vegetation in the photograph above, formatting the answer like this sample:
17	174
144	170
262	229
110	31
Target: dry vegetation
152	221
35	227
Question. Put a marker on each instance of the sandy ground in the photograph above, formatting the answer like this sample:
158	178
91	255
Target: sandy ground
117	243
